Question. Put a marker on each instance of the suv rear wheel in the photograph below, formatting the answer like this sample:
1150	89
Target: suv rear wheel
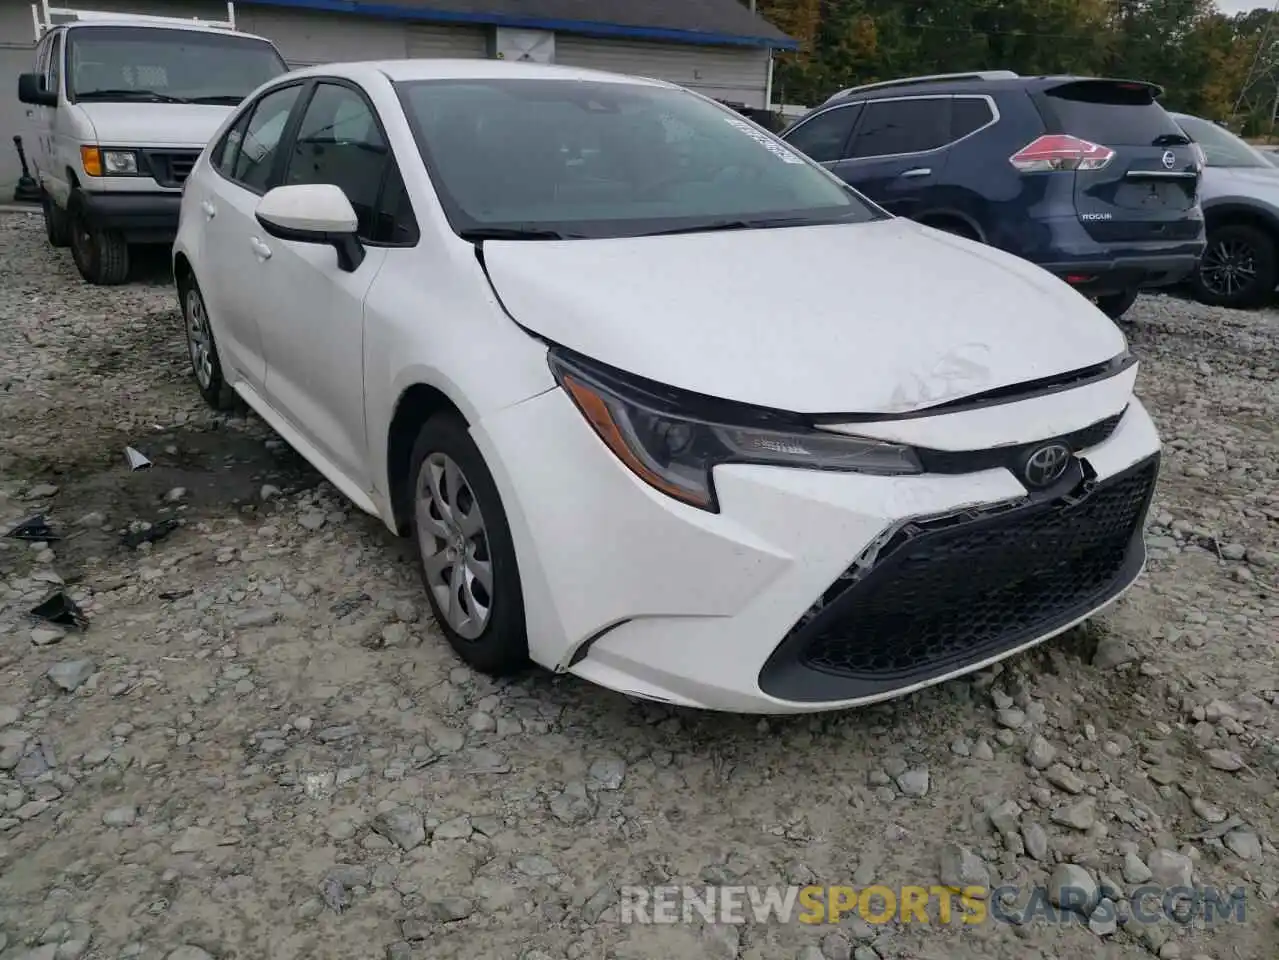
1115	305
1240	267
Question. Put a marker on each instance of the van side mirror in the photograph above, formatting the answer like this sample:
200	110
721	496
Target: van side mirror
31	89
314	213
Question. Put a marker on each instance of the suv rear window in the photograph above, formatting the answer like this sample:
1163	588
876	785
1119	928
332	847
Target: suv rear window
1110	113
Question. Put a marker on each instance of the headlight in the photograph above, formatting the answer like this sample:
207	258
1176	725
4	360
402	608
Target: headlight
109	163
119	163
672	441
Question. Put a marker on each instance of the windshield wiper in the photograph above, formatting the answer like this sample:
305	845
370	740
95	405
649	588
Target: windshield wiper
511	233
230	99
1170	140
742	224
151	95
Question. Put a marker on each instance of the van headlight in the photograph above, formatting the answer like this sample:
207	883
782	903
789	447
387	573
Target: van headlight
673	440
112	162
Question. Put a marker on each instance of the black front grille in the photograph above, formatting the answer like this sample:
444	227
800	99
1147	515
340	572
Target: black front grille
945	593
171	167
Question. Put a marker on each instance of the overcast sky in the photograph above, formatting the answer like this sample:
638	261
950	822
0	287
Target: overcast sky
1236	6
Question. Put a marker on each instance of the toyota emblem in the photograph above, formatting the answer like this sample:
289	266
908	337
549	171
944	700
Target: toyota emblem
1170	159
1046	465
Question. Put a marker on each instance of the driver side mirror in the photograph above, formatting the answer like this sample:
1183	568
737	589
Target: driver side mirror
314	213
31	89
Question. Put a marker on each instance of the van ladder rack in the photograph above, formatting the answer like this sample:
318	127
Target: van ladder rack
42	16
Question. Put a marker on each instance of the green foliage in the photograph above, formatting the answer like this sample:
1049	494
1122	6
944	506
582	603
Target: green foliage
1200	56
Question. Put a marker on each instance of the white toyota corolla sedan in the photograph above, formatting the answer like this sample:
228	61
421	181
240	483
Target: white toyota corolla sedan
662	403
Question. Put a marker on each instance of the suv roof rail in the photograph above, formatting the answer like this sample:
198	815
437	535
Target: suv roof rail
42	16
931	78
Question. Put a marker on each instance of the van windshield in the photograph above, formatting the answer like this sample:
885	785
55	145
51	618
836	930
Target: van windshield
548	158
167	66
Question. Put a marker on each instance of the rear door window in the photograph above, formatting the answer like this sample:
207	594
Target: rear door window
892	127
1111	114
968	115
824	137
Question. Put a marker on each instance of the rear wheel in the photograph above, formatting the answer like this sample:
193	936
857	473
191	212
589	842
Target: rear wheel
466	554
101	256
1240	267
56	227
955	227
1115	305
203	351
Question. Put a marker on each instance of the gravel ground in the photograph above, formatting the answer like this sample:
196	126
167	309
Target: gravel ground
259	745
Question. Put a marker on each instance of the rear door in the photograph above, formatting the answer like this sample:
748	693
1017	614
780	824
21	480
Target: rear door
898	151
1147	189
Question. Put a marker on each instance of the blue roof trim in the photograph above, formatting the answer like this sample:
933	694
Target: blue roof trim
586	27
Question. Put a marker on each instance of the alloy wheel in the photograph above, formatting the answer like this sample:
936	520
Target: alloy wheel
1228	267
198	341
455	546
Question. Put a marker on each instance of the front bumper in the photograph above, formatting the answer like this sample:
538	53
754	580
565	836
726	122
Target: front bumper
636	592
141	217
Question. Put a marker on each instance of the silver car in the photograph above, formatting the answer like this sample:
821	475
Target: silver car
1239	192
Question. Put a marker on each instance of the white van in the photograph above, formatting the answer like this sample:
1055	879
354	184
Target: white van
121	106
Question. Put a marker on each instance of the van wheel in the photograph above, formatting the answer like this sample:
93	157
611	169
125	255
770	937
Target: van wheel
101	256
56	227
1115	305
465	550
1240	267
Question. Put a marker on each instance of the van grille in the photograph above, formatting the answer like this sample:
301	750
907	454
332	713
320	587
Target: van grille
171	167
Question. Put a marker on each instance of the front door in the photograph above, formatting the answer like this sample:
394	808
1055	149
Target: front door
313	321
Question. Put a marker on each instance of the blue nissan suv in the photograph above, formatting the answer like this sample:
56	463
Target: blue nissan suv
1089	178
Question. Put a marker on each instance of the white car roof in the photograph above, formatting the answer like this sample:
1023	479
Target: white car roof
447	69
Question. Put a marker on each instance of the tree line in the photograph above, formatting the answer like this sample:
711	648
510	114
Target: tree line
1222	67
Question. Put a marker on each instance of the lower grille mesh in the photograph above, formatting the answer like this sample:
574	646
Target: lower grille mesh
944	595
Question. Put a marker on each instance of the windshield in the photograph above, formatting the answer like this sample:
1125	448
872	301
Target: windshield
1221	147
157	64
543	159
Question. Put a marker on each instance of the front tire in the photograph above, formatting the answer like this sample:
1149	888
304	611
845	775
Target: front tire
101	256
202	348
56	226
465	551
1240	267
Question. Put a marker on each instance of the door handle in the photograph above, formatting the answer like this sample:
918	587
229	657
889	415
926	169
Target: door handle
918	172
210	211
260	249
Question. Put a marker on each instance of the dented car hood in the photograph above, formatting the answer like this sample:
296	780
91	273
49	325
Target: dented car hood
881	317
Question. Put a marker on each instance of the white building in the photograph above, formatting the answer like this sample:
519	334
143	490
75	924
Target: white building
718	47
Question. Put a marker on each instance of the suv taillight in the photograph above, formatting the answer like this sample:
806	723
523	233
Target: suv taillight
1201	158
1061	152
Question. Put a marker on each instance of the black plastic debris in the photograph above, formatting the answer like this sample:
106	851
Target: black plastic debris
57	607
157	531
33	528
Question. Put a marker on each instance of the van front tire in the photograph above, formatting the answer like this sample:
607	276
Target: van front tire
101	256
